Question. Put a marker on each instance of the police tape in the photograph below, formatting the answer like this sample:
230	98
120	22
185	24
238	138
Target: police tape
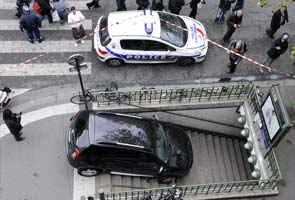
179	27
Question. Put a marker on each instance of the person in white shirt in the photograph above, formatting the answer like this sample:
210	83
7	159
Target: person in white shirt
74	19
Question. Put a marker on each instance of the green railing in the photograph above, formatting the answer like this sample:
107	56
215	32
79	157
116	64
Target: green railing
145	96
206	189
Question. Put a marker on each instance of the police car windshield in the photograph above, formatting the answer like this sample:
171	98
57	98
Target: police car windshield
169	30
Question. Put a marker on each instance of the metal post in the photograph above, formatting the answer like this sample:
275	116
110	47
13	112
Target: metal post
81	82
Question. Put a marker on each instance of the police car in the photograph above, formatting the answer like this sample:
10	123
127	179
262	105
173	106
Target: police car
149	37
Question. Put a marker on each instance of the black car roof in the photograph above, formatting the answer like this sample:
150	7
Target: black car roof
120	129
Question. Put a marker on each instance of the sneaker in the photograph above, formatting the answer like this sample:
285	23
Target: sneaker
21	139
76	44
82	41
269	70
30	40
40	40
261	70
97	6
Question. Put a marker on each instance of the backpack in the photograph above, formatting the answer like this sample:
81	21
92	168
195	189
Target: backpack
37	8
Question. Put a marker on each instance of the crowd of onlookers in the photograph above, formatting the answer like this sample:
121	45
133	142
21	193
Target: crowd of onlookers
229	11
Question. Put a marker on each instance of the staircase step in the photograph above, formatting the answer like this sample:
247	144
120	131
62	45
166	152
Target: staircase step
126	181
213	159
220	162
136	182
240	162
117	183
226	159
233	159
203	161
245	156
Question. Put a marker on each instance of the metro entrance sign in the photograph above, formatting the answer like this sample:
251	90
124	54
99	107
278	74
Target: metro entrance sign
275	119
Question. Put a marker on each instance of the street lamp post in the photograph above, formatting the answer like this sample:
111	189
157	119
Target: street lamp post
77	60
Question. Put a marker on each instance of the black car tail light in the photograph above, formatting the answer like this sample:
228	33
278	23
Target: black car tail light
75	154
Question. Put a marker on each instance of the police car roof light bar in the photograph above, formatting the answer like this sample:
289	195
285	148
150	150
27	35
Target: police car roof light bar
148	30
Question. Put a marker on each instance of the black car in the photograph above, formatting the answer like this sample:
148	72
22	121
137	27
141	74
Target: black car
98	142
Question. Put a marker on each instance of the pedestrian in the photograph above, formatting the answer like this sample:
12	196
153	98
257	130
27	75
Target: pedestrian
194	7
278	47
13	123
233	22
142	4
46	10
238	6
279	18
93	4
157	5
74	19
223	7
121	6
62	10
19	5
30	22
175	6
238	46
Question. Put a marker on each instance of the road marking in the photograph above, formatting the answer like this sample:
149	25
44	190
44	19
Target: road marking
14	25
16	92
45	46
80	5
83	186
43	113
40	69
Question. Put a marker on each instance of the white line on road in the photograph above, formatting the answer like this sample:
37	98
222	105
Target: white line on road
40	69
45	46
16	92
14	25
43	113
83	186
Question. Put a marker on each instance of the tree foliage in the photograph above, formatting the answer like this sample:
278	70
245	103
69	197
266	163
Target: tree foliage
275	6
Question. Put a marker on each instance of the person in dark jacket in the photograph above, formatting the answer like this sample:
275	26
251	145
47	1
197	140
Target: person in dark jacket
279	17
30	22
121	6
238	6
46	10
12	121
223	7
19	5
93	4
142	4
194	7
157	5
233	22
175	6
278	47
239	47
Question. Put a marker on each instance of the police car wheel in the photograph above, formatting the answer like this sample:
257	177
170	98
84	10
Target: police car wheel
114	62
185	61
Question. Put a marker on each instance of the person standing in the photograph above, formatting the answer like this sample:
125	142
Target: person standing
46	10
238	46
13	123
93	4
121	6
175	6
19	5
157	5
238	6
279	18
142	4
278	47
223	7
74	19
194	7
233	22
30	22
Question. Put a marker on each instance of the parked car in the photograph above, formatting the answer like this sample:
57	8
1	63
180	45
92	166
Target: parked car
149	37
98	142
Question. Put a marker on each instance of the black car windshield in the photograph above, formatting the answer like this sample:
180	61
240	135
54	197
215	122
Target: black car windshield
161	143
170	30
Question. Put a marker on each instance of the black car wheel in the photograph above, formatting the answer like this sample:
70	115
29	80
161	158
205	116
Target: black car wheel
186	61
89	172
166	180
115	62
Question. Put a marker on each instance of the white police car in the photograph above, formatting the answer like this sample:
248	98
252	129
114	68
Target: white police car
149	37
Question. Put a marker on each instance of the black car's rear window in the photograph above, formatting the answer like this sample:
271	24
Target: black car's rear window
114	128
103	31
81	124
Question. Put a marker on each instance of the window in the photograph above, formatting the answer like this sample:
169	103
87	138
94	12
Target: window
132	44
103	31
155	46
81	124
